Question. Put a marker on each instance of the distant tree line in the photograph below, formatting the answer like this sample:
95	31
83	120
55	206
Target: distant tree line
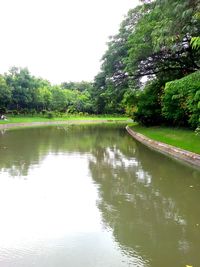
150	71
20	92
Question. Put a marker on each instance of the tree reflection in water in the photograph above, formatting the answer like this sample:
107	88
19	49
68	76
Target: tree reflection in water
148	201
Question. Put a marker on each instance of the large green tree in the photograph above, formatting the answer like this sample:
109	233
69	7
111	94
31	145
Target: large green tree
5	95
23	87
112	82
160	43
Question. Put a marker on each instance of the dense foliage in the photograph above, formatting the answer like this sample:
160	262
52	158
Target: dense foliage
181	101
156	45
158	42
148	110
20	92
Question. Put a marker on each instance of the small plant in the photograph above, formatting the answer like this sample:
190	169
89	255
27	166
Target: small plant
197	131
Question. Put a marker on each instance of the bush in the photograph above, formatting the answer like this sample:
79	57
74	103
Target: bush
44	112
181	101
15	112
32	112
3	110
148	107
24	111
58	114
49	115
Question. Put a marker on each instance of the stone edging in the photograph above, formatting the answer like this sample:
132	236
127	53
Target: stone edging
172	151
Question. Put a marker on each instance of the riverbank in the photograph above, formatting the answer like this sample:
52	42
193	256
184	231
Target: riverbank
37	118
70	121
175	152
179	137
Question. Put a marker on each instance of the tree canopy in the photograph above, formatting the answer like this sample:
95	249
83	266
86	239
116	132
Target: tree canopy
157	42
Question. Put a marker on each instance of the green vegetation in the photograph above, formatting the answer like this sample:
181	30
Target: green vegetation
181	101
176	104
157	43
29	118
150	71
22	93
178	137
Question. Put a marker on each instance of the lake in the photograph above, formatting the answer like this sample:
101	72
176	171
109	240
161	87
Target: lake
91	196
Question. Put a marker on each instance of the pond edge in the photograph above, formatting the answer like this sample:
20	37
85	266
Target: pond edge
46	123
175	152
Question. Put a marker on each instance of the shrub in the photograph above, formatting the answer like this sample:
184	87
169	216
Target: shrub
33	112
49	114
3	110
148	107
44	112
24	111
15	112
181	101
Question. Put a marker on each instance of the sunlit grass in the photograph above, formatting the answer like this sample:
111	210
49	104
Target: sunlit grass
37	118
179	137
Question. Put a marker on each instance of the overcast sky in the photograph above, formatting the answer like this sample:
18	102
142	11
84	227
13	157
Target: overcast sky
58	40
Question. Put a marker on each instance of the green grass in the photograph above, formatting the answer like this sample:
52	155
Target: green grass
38	118
182	138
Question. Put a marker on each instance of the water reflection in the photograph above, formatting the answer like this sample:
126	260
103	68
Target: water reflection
22	148
147	214
149	203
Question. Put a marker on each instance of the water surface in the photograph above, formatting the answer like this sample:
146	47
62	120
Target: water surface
91	196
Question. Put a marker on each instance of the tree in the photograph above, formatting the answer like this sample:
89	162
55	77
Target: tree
80	86
59	100
5	95
160	43
23	87
148	104
44	97
112	82
181	101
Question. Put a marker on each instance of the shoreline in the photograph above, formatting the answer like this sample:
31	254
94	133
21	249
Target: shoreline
46	123
169	150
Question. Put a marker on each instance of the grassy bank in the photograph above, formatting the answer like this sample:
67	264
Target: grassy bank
37	118
182	138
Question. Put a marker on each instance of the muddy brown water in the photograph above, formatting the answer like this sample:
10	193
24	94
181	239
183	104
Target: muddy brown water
92	196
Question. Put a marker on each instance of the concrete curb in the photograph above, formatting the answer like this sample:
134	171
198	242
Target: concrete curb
178	153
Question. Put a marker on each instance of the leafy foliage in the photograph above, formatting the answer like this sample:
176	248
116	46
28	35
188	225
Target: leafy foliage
181	101
157	43
148	110
160	43
195	42
112	82
153	41
5	94
21	92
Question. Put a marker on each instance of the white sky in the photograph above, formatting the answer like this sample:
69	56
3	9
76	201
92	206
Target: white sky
58	40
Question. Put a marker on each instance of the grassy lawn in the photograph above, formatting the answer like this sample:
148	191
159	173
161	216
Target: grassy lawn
37	118
182	138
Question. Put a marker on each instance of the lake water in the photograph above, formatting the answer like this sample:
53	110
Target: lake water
91	196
